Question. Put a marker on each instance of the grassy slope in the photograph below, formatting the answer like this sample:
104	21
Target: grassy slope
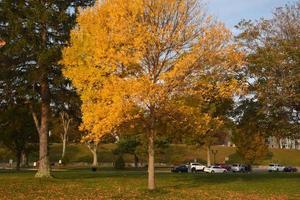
175	154
110	185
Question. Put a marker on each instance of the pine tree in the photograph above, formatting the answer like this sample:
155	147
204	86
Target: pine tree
35	31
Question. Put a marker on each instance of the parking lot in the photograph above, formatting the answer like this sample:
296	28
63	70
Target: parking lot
234	168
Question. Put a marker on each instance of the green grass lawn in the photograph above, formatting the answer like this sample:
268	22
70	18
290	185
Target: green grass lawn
84	184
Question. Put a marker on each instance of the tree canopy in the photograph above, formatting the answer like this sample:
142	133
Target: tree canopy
273	62
35	32
149	61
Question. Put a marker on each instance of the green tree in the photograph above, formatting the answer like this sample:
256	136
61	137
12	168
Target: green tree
251	132
18	132
34	32
273	62
129	145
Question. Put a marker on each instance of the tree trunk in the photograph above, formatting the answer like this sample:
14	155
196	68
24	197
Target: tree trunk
93	148
44	165
18	160
136	161
278	146
95	158
24	159
208	155
151	172
66	120
64	147
280	143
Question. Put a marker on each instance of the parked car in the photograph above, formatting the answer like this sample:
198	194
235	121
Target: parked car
180	169
290	169
214	169
275	168
194	167
224	166
248	168
238	168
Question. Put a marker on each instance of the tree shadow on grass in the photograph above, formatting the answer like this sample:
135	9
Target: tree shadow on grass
89	174
221	179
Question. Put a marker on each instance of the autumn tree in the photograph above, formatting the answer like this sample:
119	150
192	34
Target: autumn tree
251	146
34	32
149	61
215	127
251	132
92	142
2	43
273	62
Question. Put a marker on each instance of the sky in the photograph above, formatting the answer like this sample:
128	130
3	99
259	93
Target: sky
232	12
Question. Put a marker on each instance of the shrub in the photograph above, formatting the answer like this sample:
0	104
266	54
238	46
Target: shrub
119	163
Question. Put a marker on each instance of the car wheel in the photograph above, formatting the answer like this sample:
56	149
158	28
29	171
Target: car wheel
213	171
193	170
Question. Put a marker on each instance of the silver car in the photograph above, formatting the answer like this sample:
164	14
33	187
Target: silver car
214	169
238	168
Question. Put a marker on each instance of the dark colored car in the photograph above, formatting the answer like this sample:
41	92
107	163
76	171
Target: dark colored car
180	169
290	169
224	166
248	168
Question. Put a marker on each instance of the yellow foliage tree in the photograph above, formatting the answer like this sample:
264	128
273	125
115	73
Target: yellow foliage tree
148	60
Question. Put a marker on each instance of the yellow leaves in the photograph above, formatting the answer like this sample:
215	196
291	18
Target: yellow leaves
251	145
139	59
204	123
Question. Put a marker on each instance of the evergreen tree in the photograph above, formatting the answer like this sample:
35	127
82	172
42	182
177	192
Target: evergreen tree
35	31
17	132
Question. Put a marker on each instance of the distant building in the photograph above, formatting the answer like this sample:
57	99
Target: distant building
283	143
273	143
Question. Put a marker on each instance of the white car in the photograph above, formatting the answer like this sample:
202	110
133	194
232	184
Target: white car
275	168
238	168
214	169
194	167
